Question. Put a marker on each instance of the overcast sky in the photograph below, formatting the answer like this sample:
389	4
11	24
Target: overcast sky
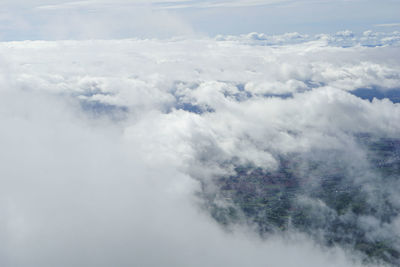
105	19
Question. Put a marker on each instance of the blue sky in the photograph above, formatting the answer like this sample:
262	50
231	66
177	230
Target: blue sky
58	19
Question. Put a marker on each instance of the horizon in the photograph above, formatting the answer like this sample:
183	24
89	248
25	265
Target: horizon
103	19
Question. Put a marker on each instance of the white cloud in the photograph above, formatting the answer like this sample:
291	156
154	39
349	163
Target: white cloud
51	20
388	25
238	3
80	188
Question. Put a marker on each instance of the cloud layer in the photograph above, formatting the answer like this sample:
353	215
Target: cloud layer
106	144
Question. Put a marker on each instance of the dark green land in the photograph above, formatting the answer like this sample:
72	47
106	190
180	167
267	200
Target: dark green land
335	197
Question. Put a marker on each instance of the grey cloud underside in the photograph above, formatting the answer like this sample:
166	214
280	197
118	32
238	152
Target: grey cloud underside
274	150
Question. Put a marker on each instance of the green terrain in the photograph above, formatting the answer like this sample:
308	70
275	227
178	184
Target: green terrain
335	197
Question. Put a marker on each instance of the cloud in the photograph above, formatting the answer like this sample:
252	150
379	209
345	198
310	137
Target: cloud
107	145
218	4
235	3
388	25
103	4
89	20
101	24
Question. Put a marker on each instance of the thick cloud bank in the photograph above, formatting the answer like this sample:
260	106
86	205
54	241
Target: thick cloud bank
113	152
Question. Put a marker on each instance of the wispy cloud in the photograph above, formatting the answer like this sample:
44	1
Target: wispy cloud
174	4
388	25
220	4
237	3
106	3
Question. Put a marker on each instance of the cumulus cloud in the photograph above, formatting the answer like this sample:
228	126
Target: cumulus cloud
107	145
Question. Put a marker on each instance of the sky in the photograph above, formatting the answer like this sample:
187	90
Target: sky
104	19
